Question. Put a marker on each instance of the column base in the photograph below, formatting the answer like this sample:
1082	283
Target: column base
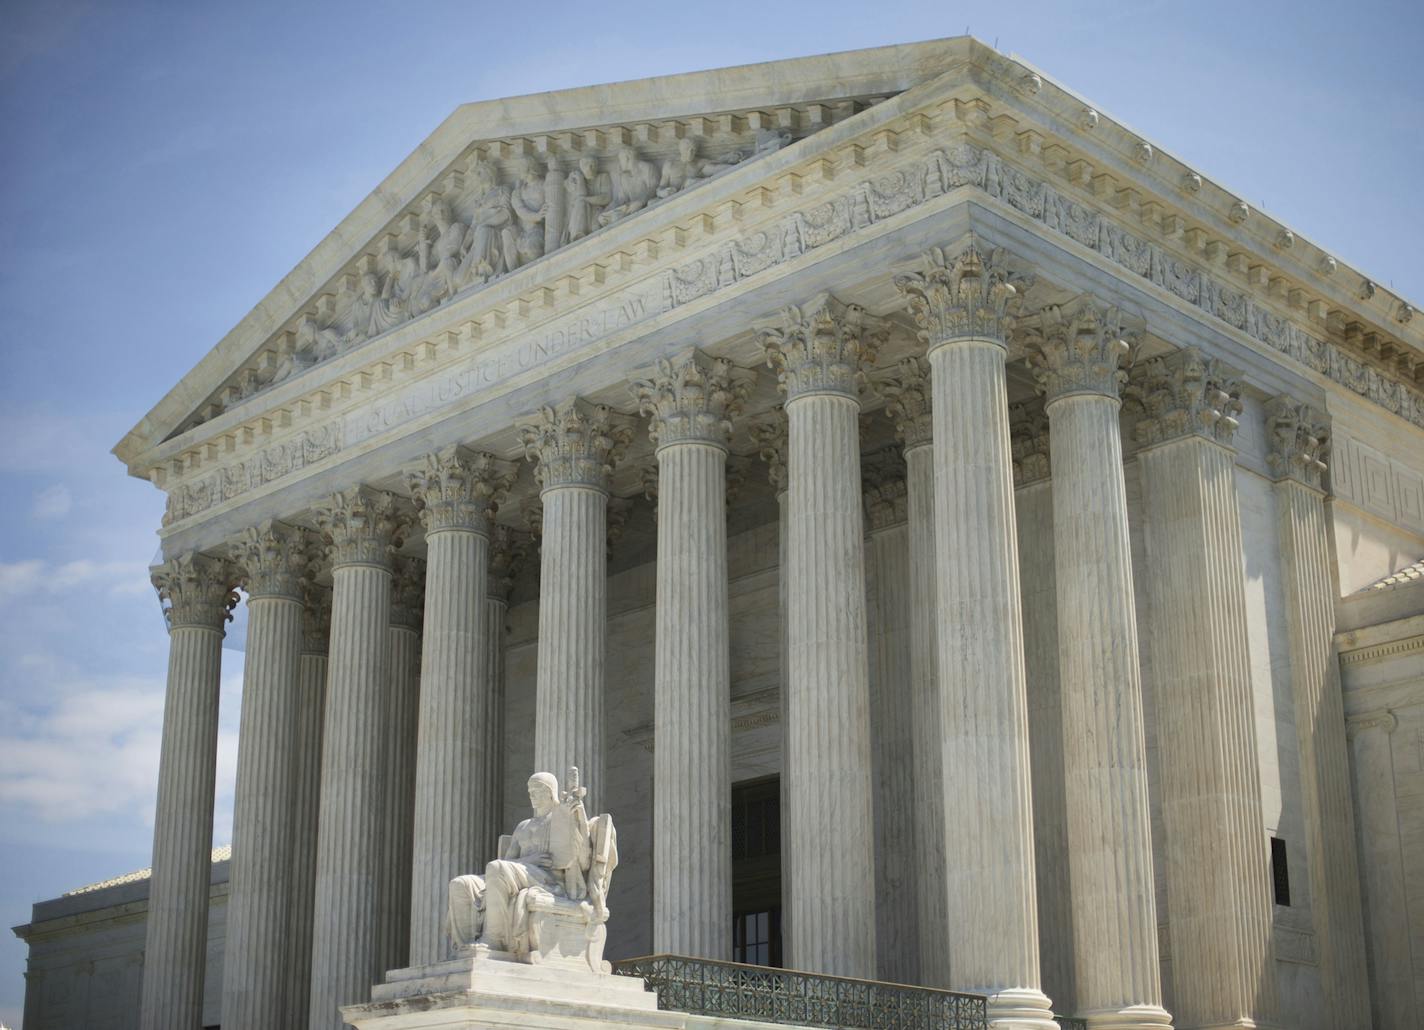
1134	1017
1021	1008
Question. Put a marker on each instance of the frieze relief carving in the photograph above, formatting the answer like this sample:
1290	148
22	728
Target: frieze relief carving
479	226
958	165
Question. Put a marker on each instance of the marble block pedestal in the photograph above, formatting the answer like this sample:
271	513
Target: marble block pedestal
483	988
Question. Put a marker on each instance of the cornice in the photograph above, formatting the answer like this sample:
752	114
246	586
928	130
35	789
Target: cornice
889	159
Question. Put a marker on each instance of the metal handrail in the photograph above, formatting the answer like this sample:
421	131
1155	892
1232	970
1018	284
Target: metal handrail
735	990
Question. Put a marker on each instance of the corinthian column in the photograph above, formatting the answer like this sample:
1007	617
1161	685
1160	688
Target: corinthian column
1033	504
456	490
254	963
910	408
892	718
819	353
402	716
362	527
1217	862
1297	437
508	550
770	438
691	400
1076	357
306	802
198	591
576	445
961	306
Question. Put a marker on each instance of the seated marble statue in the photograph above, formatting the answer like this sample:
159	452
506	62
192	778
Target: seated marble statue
546	894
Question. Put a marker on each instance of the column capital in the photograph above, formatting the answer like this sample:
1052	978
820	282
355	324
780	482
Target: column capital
272	557
821	347
362	527
1185	394
407	592
316	617
460	489
1079	348
910	406
769	434
1028	438
575	443
1383	719
691	398
964	296
882	475
509	549
1297	441
619	510
198	590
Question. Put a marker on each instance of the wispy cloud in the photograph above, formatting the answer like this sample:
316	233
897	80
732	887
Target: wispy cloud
22	579
53	502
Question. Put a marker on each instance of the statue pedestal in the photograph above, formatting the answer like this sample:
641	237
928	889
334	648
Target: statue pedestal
484	988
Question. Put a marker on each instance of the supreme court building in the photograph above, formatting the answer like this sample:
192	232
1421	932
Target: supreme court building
958	542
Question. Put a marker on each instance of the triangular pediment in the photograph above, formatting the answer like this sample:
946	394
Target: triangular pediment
502	183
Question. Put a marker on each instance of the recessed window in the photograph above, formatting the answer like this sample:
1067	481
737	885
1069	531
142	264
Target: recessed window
1280	871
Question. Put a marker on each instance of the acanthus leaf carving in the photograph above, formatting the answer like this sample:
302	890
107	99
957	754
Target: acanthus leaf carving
575	443
272	557
197	591
460	489
824	346
691	398
1183	394
961	296
1297	441
1079	348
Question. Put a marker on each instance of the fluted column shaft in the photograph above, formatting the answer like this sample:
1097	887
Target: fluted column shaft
176	946
402	720
491	825
691	398
457	491
1105	763
1033	502
306	804
692	885
992	925
928	776
1217	861
893	716
829	695
346	947
575	445
1310	590
1377	811
254	963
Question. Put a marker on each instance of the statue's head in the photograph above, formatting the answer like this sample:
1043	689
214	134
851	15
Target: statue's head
686	147
543	792
588	164
440	214
626	158
369	286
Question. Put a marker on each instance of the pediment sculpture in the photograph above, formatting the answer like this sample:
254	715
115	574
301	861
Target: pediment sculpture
544	898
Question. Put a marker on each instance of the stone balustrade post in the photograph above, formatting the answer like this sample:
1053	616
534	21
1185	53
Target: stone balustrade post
272	558
820	352
691	400
457	491
1076	354
961	303
1216	859
1298	442
306	800
198	591
910	406
575	445
362	527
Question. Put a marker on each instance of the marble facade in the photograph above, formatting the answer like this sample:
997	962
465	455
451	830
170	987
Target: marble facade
889	422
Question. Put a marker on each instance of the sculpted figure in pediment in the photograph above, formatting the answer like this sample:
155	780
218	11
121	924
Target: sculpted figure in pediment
687	169
374	310
635	182
587	192
526	199
442	256
314	343
491	228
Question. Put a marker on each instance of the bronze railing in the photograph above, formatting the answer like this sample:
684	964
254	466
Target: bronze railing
733	990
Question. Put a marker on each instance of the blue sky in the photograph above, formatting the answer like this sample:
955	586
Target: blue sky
164	164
